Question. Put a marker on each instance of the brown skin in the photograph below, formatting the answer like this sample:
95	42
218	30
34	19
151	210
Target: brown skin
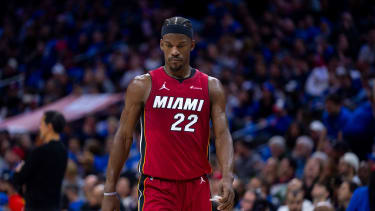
176	48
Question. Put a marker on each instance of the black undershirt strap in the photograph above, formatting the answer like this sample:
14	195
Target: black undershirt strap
192	72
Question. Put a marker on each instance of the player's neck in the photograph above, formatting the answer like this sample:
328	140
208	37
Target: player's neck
51	137
180	74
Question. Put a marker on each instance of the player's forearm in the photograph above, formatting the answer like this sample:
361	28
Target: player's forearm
224	154
119	153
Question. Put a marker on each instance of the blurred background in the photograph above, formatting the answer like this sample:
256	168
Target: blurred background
299	77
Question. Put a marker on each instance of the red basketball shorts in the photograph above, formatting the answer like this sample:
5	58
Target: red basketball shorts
167	195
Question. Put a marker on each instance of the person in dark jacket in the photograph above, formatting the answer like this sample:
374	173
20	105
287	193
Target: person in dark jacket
363	198
44	169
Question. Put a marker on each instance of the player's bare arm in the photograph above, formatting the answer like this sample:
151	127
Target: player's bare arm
223	142
136	95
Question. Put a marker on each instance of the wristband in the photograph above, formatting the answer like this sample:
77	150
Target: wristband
110	194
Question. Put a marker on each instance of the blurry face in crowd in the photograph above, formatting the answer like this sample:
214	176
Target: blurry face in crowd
176	49
295	185
301	150
295	200
90	182
276	150
319	193
364	170
97	195
239	186
344	168
240	149
332	108
285	170
247	201
71	170
254	184
344	194
74	145
4	145
71	194
312	168
123	187
270	170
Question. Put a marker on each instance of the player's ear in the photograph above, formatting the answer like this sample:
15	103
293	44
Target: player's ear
192	45
161	45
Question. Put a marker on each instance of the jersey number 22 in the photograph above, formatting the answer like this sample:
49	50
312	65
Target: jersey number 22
180	118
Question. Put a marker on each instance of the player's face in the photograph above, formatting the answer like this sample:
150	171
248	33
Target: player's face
176	48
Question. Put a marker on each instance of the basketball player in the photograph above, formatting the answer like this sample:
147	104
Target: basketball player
175	103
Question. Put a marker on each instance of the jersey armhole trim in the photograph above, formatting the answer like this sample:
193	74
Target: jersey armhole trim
208	94
149	94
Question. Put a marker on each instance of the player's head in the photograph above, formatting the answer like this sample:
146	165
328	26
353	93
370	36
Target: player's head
52	122
177	42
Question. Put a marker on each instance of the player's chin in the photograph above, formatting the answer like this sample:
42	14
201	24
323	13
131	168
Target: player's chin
175	67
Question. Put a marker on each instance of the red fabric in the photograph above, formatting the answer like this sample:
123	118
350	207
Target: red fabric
18	151
16	203
175	137
166	195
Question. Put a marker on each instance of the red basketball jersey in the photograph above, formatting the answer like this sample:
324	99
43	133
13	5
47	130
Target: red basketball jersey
175	127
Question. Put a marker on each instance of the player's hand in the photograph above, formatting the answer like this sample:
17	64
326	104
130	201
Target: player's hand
19	166
110	203
227	194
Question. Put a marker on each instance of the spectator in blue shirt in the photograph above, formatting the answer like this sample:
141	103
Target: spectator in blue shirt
335	116
363	198
361	128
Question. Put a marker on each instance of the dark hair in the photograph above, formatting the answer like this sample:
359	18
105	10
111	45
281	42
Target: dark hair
56	119
178	21
335	98
177	25
327	186
292	162
263	205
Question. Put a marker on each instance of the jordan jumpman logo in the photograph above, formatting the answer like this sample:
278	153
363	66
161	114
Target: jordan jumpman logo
163	86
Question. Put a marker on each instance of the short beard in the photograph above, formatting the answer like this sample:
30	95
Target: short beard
176	69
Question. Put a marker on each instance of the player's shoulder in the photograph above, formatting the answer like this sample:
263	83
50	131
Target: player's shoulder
214	83
139	87
215	88
143	77
212	79
141	80
139	84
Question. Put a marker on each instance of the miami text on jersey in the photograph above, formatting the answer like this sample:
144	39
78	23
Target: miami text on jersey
180	103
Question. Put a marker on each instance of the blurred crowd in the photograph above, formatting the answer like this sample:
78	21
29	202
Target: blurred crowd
299	78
